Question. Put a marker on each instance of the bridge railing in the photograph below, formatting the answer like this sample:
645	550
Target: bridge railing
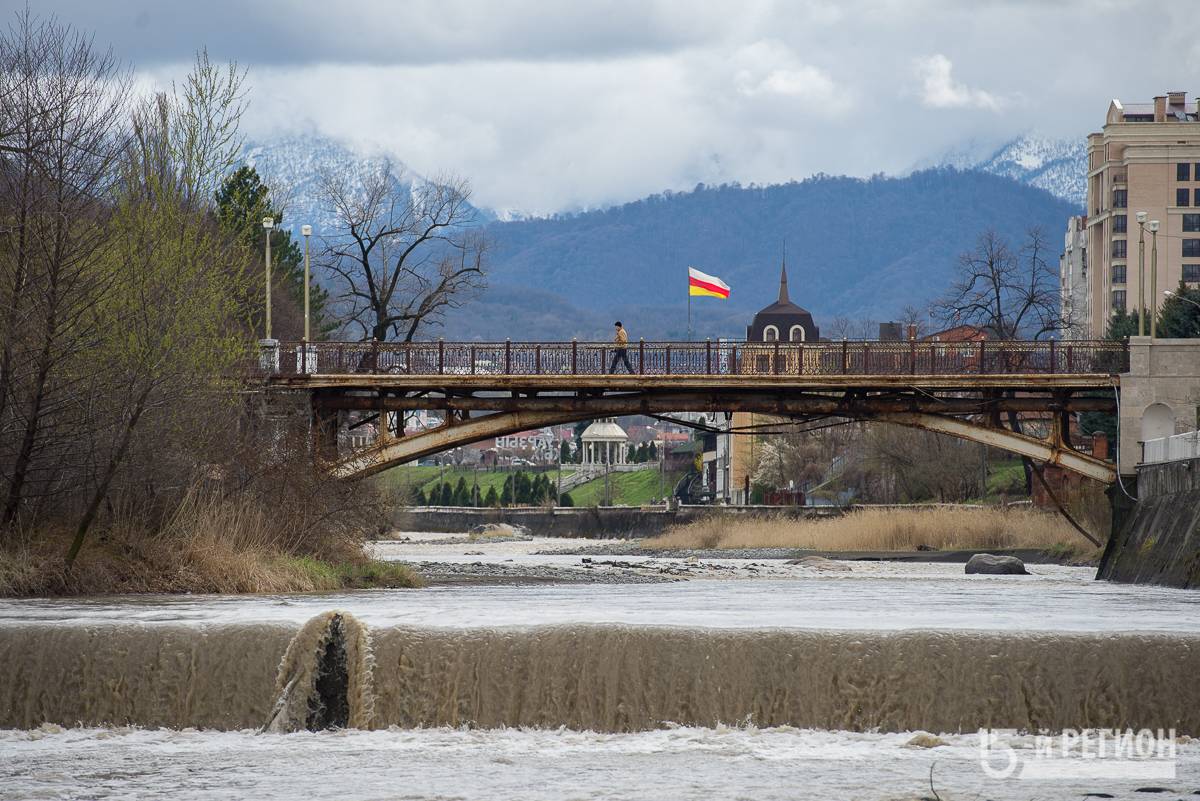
698	358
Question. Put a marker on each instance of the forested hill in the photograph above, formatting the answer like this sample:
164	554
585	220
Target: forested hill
855	248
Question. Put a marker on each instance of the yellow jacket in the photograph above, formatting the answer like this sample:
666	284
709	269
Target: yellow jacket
621	338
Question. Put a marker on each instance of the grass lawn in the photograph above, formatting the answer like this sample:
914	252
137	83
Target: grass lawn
427	477
628	489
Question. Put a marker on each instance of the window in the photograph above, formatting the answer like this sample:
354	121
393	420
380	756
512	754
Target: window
1118	248
770	334
1191	273
1120	198
1181	196
1120	223
1191	222
1191	247
1183	172
1196	202
1118	273
796	334
1118	300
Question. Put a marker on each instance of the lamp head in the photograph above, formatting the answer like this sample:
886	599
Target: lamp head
306	230
1168	293
1154	225
268	223
1141	217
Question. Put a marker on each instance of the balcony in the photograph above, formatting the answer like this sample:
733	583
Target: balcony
1120	176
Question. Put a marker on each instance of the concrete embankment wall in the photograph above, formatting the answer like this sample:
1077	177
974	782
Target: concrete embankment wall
616	522
1159	540
593	522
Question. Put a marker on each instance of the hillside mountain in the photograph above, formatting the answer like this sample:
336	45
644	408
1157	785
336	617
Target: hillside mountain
1057	165
857	248
862	249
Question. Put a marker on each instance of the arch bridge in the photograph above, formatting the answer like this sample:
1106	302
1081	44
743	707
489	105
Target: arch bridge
970	390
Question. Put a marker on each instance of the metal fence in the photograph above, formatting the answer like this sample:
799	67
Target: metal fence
1171	449
695	358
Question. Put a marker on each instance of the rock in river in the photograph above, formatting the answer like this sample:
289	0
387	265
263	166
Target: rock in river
996	565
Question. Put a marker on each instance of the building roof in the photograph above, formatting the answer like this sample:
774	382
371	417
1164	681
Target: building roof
605	430
783	305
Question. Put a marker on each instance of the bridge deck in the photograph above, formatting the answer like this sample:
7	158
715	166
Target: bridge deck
582	366
642	383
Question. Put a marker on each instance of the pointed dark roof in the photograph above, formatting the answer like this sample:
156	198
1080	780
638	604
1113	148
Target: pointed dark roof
784	304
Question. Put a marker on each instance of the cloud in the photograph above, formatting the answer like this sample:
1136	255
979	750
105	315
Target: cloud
554	106
770	68
939	90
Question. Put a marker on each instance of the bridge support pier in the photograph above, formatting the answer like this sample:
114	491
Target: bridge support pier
324	432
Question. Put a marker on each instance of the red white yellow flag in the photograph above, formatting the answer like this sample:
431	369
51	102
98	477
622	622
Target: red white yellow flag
706	285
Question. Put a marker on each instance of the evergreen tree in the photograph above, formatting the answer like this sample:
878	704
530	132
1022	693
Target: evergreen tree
447	494
419	498
1179	317
522	489
506	495
242	202
564	452
491	500
631	453
462	495
566	500
652	452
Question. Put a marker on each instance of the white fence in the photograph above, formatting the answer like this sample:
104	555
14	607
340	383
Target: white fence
1171	449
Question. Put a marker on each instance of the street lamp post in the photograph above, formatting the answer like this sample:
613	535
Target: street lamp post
1141	221
268	223
307	231
1177	296
1153	277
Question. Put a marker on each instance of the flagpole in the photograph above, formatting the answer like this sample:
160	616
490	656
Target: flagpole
689	329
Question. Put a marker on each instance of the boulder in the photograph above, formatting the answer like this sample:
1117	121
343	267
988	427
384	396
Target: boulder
991	564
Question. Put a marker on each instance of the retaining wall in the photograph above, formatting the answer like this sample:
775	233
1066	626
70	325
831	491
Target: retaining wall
1158	539
614	522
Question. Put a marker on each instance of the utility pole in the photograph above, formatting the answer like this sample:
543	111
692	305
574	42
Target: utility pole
268	224
1153	277
306	230
1141	221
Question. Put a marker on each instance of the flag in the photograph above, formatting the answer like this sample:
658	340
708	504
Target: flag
706	285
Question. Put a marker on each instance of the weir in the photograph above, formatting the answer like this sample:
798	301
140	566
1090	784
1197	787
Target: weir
612	678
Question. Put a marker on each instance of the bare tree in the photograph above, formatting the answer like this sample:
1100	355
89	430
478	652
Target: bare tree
1012	294
402	255
839	328
69	110
916	319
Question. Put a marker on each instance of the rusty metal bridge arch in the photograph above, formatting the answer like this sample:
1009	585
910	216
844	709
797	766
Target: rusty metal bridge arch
486	390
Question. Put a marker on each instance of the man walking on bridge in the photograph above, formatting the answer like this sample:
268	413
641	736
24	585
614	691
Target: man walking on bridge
622	353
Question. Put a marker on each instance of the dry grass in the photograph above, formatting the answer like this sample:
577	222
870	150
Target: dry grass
209	545
939	528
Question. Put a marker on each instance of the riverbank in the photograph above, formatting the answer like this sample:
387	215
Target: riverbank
121	565
896	530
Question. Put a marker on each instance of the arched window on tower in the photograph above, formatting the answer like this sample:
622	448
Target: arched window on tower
770	334
796	334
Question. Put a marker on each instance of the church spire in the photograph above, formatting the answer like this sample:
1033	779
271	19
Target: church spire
783	290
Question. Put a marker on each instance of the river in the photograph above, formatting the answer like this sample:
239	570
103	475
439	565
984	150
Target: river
754	679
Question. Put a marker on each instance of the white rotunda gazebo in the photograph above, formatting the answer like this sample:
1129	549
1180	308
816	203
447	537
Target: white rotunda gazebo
605	442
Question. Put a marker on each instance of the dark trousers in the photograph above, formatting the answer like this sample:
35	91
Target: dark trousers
621	355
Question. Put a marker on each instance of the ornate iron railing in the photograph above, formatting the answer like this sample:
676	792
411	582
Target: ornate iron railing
696	358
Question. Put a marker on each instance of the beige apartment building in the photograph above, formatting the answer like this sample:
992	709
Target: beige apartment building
1145	159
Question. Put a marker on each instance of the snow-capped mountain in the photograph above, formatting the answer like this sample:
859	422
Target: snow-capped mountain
1057	165
293	165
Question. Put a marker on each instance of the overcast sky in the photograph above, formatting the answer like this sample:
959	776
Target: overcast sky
554	105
